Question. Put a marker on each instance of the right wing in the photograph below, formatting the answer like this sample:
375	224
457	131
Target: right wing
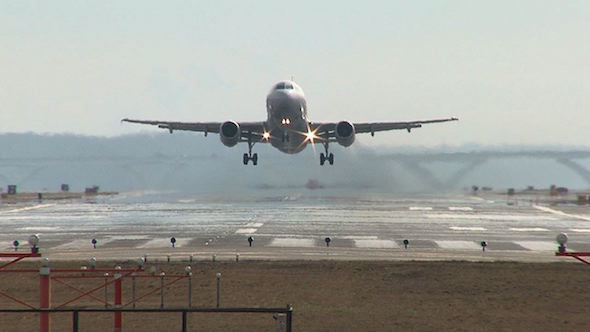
327	130
249	130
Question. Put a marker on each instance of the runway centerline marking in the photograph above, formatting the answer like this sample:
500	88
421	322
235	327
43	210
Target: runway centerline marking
580	230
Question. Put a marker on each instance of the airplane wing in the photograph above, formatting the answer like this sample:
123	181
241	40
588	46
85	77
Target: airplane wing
249	130
328	129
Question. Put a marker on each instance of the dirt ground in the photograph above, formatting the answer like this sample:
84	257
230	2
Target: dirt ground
333	296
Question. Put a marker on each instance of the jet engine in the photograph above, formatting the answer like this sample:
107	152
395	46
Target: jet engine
344	133
229	133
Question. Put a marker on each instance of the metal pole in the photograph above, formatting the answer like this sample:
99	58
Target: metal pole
162	289
75	321
106	292
133	288
289	317
184	321
45	296
218	287
118	300
190	291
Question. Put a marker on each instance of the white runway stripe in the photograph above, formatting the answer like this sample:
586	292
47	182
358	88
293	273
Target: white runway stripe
460	208
29	208
81	244
538	245
164	243
246	230
358	237
255	224
420	208
381	244
458	245
459	228
295	243
529	229
560	213
580	230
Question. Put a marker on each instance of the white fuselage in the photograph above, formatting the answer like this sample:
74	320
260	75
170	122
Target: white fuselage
287	121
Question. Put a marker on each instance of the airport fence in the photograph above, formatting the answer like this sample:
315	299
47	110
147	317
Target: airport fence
286	311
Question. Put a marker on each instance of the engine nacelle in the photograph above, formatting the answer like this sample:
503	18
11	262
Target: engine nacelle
345	133
229	133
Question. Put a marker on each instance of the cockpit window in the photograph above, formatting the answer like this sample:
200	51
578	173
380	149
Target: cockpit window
284	86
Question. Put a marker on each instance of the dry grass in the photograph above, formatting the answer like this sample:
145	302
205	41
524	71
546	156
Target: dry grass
345	296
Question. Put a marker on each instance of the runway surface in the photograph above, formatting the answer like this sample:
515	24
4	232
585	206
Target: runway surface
295	227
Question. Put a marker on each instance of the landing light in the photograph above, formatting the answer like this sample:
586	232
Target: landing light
266	135
310	136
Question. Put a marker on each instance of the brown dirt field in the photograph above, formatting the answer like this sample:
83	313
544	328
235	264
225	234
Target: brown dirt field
340	296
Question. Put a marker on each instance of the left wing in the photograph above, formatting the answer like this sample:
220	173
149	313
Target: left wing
249	130
328	129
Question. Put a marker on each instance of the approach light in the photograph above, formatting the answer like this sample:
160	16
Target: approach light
34	240
561	238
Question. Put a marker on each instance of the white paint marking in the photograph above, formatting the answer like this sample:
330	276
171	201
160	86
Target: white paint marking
381	244
580	230
255	224
81	244
560	213
286	242
420	208
164	243
495	217
459	228
538	245
246	230
358	237
460	208
129	237
529	229
29	208
458	245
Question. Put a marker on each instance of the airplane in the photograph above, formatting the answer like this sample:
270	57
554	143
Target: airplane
287	127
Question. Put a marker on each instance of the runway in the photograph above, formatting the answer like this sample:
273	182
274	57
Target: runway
295	227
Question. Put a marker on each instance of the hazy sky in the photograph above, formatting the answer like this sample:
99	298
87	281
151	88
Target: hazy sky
515	72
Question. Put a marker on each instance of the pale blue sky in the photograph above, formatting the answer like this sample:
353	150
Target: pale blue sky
515	72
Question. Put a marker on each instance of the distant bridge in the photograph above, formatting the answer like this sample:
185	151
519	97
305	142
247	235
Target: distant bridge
415	162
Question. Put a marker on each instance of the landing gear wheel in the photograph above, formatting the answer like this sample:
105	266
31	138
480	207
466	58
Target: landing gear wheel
255	159
246	158
322	159
331	158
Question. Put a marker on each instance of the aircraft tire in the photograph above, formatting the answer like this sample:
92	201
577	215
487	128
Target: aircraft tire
246	158
255	159
331	159
322	159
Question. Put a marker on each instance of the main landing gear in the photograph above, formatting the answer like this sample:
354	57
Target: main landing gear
249	156
326	157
